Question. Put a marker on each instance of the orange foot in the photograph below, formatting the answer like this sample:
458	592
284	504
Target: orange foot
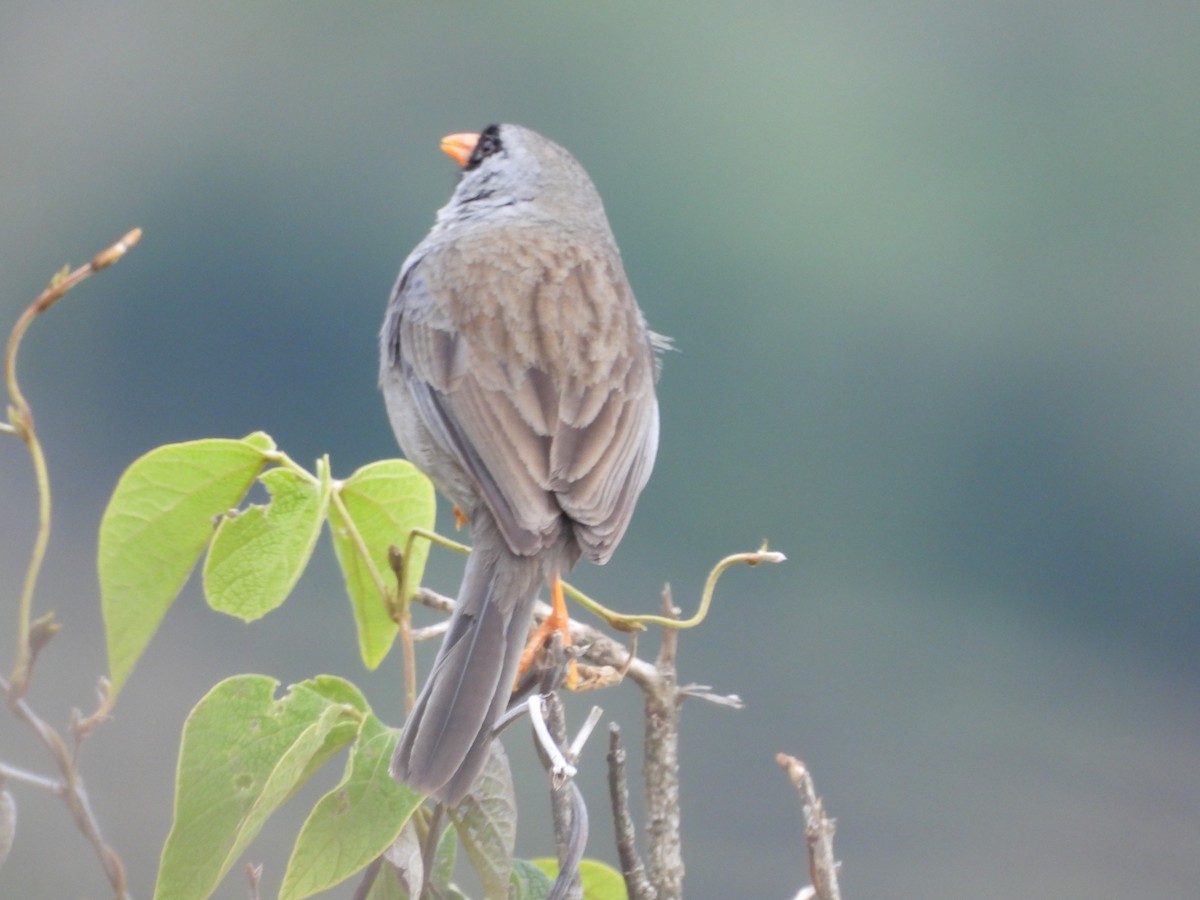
460	518
556	621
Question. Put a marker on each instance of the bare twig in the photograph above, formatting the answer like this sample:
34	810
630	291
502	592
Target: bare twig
545	712
566	803
818	832
71	789
632	868
23	776
253	877
434	600
664	850
585	732
33	635
81	725
430	632
705	692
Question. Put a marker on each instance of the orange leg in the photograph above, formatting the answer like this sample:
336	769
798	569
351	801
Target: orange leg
558	620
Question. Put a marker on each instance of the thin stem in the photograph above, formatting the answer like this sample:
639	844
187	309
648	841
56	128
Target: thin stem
401	611
21	424
397	610
410	662
401	569
335	498
24	662
622	621
434	538
279	458
638	622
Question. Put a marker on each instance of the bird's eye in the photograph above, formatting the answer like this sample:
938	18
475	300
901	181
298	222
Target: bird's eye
488	143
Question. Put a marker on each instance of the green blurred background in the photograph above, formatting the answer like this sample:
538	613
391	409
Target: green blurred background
932	271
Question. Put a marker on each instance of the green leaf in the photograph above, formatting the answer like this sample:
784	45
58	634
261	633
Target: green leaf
259	554
243	754
600	881
261	440
356	821
382	503
156	525
486	821
404	858
386	882
528	881
442	869
391	875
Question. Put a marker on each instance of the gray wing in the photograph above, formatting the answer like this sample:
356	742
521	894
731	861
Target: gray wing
539	384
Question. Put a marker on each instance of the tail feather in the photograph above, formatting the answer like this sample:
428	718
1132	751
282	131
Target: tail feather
445	741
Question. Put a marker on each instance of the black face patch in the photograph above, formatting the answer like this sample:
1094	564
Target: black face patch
488	143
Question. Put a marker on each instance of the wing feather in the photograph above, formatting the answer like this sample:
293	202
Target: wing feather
535	374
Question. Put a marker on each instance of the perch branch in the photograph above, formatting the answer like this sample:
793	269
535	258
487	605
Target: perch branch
663	873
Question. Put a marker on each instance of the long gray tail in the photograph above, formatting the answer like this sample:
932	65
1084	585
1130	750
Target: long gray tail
446	738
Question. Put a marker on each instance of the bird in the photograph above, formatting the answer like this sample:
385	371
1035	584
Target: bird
519	374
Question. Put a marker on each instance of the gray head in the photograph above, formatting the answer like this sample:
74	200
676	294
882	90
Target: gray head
509	170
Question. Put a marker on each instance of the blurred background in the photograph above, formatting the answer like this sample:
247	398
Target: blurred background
931	269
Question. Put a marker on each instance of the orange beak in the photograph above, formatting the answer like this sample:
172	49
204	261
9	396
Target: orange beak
459	146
